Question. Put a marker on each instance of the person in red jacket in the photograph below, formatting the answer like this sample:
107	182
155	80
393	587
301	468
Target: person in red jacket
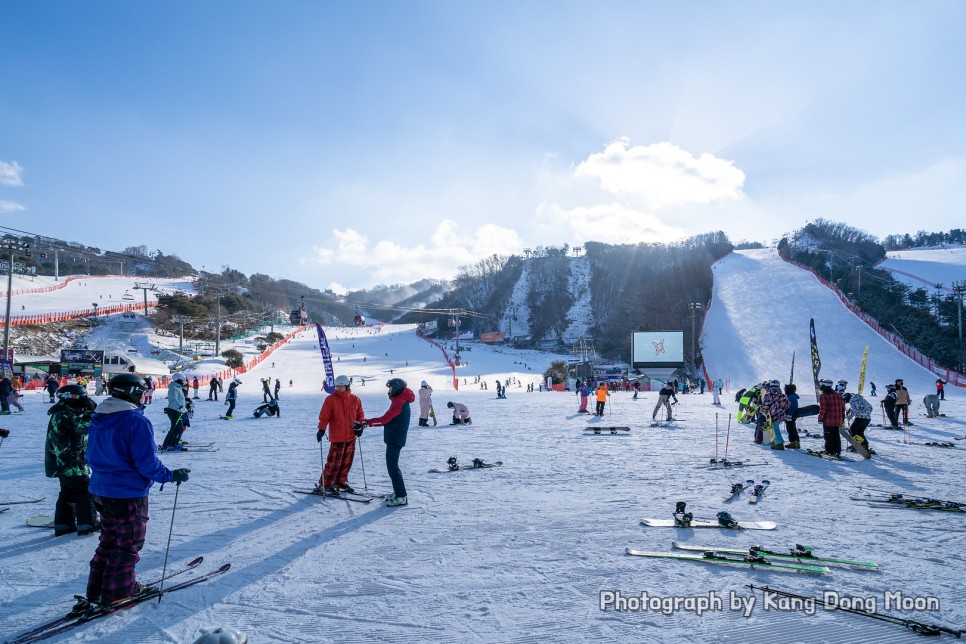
339	413
831	413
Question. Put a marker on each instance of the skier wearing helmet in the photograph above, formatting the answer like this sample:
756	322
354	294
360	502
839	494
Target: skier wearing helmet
395	424
340	411
176	411
831	413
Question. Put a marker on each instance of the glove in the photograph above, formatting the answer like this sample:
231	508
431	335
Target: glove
319	435
4	433
180	475
357	428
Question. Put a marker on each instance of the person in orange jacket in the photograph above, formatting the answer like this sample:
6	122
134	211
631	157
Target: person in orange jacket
340	411
602	394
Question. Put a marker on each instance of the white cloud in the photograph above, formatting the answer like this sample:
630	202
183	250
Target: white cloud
389	262
11	174
662	174
610	223
10	207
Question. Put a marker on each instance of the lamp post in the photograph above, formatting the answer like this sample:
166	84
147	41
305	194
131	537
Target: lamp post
10	246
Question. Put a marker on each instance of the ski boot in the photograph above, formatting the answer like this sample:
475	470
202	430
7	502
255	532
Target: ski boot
478	462
453	465
727	520
682	519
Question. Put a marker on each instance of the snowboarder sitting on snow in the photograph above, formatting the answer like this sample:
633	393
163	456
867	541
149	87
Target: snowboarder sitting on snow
270	408
461	414
65	457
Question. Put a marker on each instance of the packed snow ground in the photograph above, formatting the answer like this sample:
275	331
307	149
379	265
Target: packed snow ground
521	552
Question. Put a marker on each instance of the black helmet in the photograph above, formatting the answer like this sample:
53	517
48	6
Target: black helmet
396	386
450	405
127	386
67	392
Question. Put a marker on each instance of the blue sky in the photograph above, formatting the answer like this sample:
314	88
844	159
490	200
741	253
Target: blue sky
352	144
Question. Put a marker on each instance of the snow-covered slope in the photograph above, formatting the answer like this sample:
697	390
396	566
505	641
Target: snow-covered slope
759	316
518	553
929	269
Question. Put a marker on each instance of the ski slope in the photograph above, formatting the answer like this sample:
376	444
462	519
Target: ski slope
930	269
83	293
518	553
759	317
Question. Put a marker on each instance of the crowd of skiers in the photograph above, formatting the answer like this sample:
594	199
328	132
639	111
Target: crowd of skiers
768	404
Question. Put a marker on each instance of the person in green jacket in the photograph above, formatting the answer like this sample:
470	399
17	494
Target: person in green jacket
65	457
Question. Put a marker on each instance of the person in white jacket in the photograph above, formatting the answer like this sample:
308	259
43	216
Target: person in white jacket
461	413
175	410
425	403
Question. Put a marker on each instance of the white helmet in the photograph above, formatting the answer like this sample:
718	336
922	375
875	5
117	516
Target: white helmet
342	380
179	377
222	635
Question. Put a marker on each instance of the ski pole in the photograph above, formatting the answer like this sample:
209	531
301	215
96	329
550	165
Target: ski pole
727	437
716	438
167	548
322	457
363	461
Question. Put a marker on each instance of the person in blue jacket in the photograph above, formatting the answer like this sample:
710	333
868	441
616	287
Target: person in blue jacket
395	424
124	466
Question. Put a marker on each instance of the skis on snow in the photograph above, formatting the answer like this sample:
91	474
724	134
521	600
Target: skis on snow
684	519
744	560
919	628
21	502
454	465
345	496
758	491
910	502
607	430
800	553
738	488
88	612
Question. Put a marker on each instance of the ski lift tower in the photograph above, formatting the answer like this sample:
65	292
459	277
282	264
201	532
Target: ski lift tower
144	286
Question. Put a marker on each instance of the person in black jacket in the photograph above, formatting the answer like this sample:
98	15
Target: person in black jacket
65	458
5	388
270	408
51	385
395	424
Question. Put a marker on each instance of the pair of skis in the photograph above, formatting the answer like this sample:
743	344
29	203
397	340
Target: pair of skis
83	613
454	465
356	497
741	560
608	430
756	490
911	502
